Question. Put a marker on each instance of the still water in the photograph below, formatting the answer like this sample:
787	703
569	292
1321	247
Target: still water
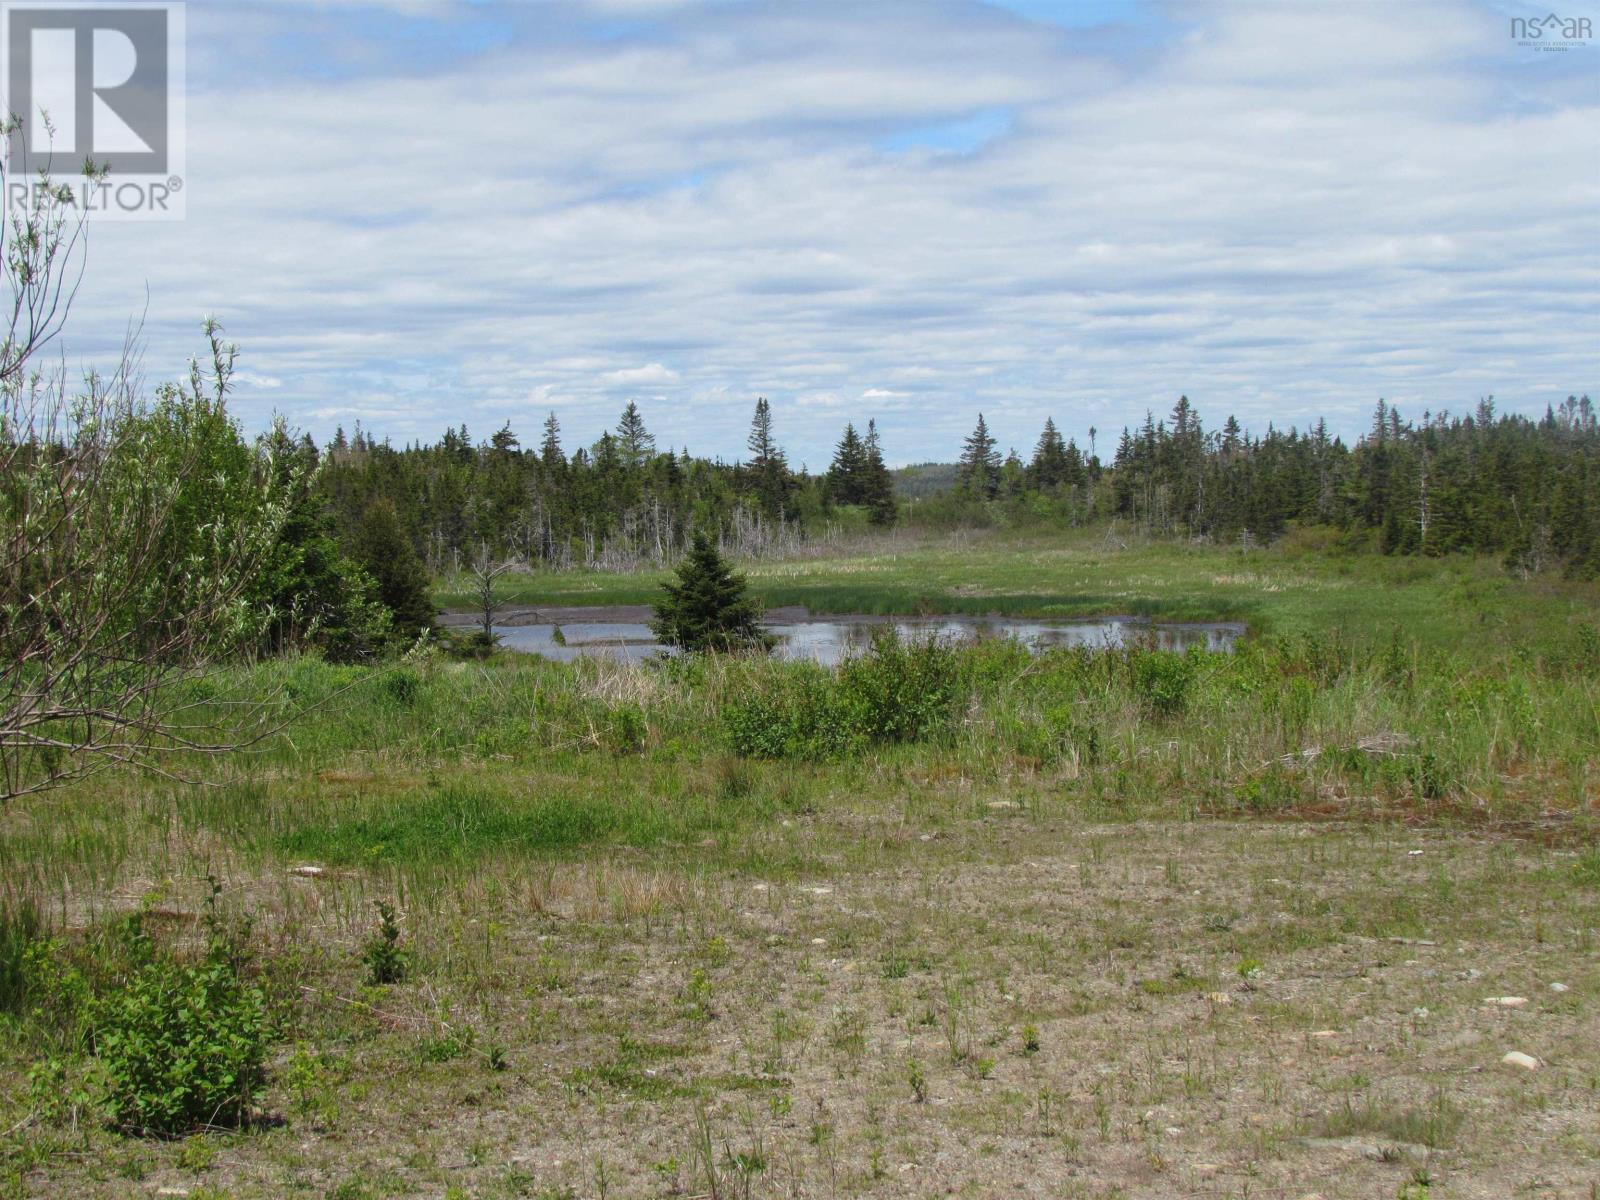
827	640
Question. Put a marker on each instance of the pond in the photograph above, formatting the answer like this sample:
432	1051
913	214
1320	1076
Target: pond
828	640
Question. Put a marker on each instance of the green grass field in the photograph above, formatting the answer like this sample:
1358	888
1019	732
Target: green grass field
1118	925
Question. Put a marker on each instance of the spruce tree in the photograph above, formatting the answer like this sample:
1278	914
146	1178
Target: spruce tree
768	465
980	463
1048	470
635	442
847	475
550	449
384	551
707	608
877	485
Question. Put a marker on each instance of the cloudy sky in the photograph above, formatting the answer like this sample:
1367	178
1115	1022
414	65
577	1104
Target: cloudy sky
420	214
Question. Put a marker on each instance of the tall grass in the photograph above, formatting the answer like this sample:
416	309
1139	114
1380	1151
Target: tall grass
437	763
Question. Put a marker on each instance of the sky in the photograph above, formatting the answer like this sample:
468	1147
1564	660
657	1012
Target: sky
422	214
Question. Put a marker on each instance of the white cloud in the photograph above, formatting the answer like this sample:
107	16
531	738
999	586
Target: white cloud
1281	210
651	373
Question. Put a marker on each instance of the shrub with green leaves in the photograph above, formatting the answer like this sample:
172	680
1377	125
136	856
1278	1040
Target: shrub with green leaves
897	692
1162	680
902	690
799	712
181	1046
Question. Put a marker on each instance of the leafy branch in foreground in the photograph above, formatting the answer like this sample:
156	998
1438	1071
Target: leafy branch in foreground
130	536
133	536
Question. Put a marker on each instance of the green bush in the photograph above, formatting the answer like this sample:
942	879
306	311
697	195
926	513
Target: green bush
902	691
181	1045
897	692
402	687
798	713
1161	680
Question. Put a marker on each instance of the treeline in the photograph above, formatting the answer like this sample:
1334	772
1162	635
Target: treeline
618	504
1482	483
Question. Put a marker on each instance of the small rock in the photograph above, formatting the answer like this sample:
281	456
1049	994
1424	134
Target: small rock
307	872
1506	1001
820	891
1324	1033
1000	804
1559	988
1219	997
1517	1058
1421	1014
819	941
1413	853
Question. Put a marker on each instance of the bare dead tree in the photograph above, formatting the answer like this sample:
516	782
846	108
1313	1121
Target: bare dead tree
485	570
130	534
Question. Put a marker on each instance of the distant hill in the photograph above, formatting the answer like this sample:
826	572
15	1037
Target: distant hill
921	480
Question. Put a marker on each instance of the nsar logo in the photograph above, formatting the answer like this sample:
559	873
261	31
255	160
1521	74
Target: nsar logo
1552	32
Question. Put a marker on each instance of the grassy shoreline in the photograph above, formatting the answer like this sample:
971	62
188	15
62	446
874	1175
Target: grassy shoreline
1295	587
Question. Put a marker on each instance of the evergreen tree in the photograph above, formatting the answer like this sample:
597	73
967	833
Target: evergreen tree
847	475
312	594
877	486
980	463
1048	470
635	443
550	453
384	551
505	441
707	608
767	464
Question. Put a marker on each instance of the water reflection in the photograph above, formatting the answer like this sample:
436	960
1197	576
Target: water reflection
829	640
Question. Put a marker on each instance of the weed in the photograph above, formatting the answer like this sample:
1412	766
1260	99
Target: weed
386	961
1434	1125
697	994
918	1079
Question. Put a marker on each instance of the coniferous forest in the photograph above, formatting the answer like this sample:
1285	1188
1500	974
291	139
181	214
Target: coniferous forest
1482	483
